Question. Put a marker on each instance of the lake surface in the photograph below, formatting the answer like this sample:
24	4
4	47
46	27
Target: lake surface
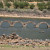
42	32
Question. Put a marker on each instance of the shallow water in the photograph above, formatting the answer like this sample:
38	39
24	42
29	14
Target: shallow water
30	31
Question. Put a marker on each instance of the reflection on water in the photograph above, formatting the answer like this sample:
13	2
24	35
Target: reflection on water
18	25
30	31
5	24
43	26
30	25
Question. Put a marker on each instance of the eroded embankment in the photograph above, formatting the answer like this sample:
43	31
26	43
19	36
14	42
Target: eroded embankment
25	14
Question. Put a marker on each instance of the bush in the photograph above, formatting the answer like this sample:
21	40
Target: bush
32	6
9	0
48	5
21	5
26	4
41	6
8	4
30	0
16	4
39	0
1	5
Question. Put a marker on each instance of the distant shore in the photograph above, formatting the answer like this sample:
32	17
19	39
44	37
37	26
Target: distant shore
7	16
24	13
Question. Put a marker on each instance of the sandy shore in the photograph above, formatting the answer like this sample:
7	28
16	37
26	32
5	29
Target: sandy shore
26	48
33	17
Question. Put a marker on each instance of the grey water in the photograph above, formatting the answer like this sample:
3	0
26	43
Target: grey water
42	32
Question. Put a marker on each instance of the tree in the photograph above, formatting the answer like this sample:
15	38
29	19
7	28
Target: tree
1	5
8	4
41	6
16	4
32	6
9	0
21	5
26	4
48	5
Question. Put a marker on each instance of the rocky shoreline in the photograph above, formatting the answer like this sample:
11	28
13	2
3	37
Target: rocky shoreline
14	39
25	13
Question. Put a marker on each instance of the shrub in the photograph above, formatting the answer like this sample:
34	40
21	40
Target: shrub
21	5
32	6
8	4
1	5
16	4
48	5
41	6
39	0
9	0
30	0
26	4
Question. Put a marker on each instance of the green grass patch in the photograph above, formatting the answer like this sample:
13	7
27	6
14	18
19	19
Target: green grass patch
6	45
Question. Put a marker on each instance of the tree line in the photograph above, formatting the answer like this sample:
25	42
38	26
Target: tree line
25	5
28	0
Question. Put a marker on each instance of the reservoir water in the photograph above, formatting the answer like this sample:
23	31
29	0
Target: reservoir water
30	31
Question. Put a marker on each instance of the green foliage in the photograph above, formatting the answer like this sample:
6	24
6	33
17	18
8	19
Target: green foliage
32	6
21	4
1	5
8	4
48	5
39	0
30	0
16	4
26	4
41	6
35	0
9	0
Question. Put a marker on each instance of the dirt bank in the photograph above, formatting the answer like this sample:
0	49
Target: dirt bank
15	16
